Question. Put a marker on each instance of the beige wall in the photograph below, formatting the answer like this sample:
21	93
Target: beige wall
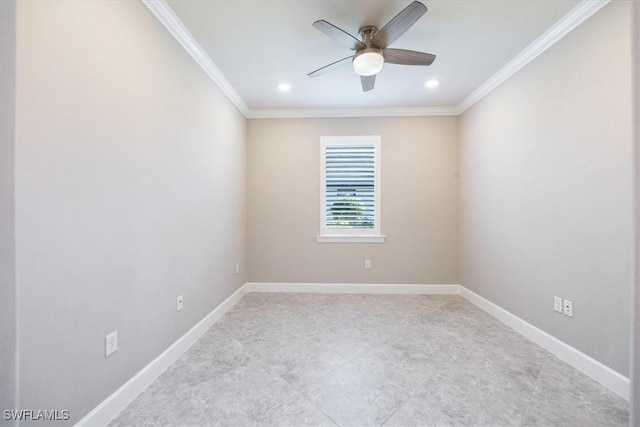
418	210
130	190
546	206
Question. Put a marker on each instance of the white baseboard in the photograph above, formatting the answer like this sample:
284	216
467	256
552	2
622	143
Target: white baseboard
601	373
107	410
353	288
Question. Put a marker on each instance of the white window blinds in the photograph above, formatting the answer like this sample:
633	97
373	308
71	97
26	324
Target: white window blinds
350	186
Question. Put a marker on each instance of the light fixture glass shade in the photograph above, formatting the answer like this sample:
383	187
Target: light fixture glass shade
368	62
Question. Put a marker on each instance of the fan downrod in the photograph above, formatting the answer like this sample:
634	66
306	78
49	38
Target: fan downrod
367	33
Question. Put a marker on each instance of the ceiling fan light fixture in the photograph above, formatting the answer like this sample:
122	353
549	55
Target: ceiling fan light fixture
367	62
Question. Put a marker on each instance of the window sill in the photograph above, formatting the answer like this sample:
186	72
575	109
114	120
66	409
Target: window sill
335	238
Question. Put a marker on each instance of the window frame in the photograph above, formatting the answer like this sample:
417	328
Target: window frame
350	235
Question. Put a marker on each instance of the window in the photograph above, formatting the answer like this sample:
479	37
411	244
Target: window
350	189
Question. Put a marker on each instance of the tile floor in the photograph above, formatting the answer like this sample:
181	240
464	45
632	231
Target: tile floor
369	360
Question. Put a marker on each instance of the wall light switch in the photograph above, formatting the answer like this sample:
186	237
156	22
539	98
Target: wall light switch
557	304
179	302
367	263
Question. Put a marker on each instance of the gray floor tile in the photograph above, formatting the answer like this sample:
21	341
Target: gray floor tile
350	341
353	396
404	363
566	397
246	396
206	361
472	395
303	361
420	416
285	359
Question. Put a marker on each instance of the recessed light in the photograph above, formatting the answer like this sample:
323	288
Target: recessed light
432	83
284	87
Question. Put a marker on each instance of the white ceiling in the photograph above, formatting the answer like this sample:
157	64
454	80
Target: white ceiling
257	44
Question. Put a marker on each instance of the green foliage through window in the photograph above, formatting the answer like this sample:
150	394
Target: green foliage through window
348	212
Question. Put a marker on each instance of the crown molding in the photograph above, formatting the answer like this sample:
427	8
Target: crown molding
352	112
570	21
565	25
163	12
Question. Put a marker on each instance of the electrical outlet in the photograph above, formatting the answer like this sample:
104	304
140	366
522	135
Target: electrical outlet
557	304
367	263
179	302
568	308
237	268
110	343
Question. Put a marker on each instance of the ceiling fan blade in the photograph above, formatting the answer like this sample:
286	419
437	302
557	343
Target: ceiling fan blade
329	67
368	82
407	57
339	35
399	24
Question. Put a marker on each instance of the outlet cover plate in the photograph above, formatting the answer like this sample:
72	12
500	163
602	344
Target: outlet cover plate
110	343
568	308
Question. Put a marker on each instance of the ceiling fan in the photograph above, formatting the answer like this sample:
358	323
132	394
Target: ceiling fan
371	52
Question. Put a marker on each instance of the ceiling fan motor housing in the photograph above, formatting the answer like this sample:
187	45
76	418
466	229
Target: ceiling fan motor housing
367	33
